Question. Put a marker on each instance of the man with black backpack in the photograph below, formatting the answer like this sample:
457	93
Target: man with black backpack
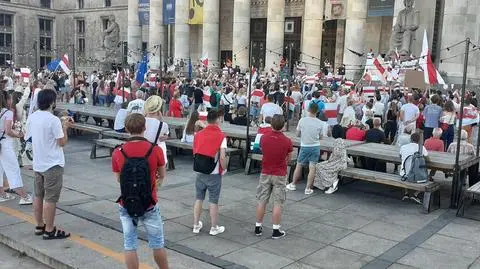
139	167
210	163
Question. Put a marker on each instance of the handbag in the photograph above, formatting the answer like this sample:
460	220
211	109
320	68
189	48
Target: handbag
444	126
204	164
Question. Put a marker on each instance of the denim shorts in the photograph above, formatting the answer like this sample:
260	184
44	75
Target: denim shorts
308	155
212	183
152	220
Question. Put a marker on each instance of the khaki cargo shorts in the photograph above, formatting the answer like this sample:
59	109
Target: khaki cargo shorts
48	184
272	186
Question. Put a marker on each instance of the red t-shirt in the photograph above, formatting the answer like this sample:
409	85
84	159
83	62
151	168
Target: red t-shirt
175	109
139	149
275	148
434	144
355	134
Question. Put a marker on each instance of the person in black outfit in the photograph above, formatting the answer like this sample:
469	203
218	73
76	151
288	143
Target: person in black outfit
375	135
241	117
198	94
391	124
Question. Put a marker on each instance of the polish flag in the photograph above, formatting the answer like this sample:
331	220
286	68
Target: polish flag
64	64
25	73
204	59
431	74
331	110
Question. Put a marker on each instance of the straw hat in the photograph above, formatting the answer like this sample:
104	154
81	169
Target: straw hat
153	104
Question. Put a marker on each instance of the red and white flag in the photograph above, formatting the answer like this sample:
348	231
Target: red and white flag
331	110
25	73
291	103
64	63
369	91
204	59
431	74
380	71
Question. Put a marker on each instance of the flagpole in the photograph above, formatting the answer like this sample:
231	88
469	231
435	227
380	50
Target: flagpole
249	96
457	184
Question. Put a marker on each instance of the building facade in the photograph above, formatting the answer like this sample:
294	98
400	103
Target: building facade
317	32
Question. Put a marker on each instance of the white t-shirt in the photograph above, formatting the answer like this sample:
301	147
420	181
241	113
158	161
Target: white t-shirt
33	102
222	146
310	129
408	150
151	130
241	99
409	112
297	97
5	115
44	129
270	109
136	106
342	103
120	119
378	108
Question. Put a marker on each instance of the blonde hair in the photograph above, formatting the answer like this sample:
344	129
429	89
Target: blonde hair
153	104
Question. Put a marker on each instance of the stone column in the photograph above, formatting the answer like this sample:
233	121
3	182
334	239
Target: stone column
312	31
241	32
275	33
156	33
134	33
211	32
355	26
182	31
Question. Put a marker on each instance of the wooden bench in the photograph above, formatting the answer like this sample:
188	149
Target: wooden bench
473	190
258	157
115	134
89	128
430	189
178	144
109	143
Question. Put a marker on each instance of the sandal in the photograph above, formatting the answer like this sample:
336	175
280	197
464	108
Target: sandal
40	230
55	234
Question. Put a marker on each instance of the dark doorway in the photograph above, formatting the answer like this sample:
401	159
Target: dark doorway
329	42
258	36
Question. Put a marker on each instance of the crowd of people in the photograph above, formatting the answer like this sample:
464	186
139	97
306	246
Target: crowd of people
391	116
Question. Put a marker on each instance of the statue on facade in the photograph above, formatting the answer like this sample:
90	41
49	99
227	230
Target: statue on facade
111	36
404	30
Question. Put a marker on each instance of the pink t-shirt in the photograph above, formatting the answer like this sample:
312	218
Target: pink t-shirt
434	144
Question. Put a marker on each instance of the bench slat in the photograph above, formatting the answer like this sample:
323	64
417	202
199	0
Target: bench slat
113	133
388	179
109	142
89	128
475	188
177	143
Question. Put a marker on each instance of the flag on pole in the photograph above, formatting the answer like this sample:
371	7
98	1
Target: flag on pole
25	72
142	69
380	70
190	68
53	65
204	59
64	64
431	74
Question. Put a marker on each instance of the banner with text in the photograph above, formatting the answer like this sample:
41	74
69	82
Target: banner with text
195	12
144	12
168	12
379	8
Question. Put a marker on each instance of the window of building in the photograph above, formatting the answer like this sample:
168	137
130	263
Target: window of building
108	3
144	46
5	59
6	38
80	4
45	25
81	46
44	60
105	23
45	43
6	20
46	3
81	26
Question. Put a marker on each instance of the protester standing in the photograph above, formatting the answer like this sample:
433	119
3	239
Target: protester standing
49	136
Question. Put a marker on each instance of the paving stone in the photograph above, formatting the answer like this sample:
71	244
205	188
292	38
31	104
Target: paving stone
428	258
366	244
475	265
238	210
180	261
170	209
343	220
211	245
291	246
103	207
387	230
466	231
175	232
242	232
304	210
401	266
465	248
255	258
299	265
320	232
331	257
331	202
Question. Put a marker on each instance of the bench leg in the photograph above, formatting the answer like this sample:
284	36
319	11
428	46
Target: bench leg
247	166
427	202
93	153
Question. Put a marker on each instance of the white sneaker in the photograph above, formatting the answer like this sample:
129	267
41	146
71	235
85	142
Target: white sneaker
6	197
333	188
291	187
217	230
308	191
197	228
28	200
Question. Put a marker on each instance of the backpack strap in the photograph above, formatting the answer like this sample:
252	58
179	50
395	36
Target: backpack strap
404	177
158	132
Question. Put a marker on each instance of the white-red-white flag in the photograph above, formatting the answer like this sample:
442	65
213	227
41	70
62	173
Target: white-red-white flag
25	73
380	70
431	74
64	64
204	59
